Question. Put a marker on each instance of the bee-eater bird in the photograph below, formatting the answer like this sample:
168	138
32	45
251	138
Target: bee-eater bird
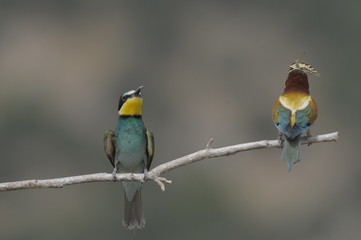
295	111
130	149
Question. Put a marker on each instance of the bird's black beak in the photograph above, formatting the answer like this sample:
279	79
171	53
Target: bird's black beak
137	92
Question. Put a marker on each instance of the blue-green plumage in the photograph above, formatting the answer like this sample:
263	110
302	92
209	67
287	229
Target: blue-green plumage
130	152
291	146
291	153
301	125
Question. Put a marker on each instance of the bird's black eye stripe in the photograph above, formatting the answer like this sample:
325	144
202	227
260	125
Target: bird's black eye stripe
121	101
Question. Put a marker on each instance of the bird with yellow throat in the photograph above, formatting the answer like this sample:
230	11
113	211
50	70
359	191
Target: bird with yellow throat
295	111
130	149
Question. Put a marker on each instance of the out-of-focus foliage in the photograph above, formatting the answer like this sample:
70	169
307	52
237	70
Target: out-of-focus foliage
210	69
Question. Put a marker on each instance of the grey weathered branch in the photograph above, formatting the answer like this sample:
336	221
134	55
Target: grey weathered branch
155	173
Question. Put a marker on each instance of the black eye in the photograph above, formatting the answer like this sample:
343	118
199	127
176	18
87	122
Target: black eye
121	101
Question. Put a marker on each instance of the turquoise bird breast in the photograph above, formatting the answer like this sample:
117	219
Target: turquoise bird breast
131	144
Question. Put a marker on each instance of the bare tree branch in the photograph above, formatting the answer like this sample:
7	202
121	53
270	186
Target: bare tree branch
155	173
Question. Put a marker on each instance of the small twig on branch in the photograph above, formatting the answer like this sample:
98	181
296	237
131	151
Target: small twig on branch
208	146
155	173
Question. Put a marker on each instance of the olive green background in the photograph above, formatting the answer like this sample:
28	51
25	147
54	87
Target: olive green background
209	69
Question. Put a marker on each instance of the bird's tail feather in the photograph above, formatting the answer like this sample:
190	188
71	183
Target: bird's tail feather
291	151
133	212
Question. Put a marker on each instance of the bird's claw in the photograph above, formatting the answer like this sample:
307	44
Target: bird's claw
308	136
114	174
146	175
280	140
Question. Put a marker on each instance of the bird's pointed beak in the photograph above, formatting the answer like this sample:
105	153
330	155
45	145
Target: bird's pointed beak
137	92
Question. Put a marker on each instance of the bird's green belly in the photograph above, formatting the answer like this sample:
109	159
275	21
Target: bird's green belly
131	145
131	154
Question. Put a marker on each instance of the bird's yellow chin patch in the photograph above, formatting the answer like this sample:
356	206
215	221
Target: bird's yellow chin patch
133	106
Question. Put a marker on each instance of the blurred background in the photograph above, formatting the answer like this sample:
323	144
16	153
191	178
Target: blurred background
211	69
